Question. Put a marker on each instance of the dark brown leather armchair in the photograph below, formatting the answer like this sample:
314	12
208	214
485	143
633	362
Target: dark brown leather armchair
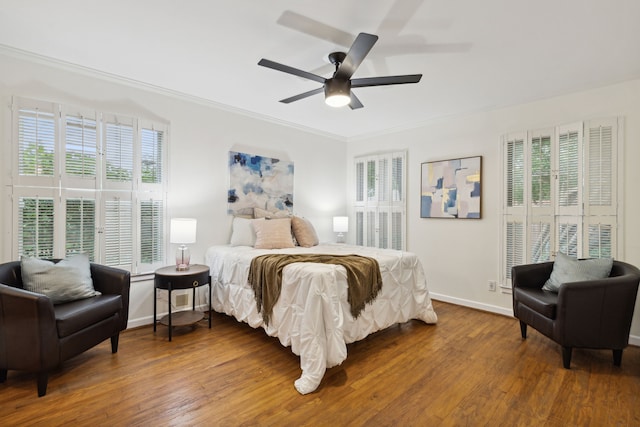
37	336
590	314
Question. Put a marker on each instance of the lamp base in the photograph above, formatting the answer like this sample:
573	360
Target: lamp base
183	257
340	238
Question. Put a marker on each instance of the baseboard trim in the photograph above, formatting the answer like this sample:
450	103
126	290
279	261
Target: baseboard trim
634	340
473	304
148	320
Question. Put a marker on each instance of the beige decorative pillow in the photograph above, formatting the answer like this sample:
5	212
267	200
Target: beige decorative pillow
263	213
304	232
273	234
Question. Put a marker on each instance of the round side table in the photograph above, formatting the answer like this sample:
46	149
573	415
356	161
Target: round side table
170	279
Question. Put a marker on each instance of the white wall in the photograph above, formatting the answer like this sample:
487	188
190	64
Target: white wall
461	256
200	138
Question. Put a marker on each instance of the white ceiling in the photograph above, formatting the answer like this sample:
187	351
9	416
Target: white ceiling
474	54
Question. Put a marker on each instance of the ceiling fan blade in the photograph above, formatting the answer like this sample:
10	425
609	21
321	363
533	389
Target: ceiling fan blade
355	102
287	69
386	80
314	28
398	16
302	95
420	47
357	52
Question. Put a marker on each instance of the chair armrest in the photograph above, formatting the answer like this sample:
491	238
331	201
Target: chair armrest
598	307
113	281
531	275
28	335
110	280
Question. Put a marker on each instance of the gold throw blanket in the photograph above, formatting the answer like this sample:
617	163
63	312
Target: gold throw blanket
265	277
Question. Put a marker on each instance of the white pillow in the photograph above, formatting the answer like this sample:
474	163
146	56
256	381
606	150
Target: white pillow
242	232
273	234
68	280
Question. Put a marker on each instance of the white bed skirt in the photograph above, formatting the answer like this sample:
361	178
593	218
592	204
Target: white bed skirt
312	315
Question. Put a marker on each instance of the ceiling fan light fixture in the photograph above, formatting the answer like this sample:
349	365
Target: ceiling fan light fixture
337	93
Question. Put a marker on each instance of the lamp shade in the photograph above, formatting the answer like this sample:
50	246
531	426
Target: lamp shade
340	224
183	230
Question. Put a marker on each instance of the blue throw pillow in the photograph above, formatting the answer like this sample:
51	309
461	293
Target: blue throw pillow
68	280
569	269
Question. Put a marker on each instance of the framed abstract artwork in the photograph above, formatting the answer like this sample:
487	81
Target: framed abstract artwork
451	188
259	182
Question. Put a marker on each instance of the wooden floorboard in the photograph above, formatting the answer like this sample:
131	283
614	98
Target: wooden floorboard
471	369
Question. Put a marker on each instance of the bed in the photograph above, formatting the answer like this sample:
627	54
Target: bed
312	314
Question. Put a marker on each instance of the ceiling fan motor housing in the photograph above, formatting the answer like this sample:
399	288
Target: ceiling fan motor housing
334	87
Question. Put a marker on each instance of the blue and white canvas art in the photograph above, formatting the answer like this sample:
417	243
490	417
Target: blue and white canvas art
259	182
451	188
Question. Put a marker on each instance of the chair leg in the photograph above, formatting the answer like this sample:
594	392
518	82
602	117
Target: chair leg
42	378
523	330
566	357
114	343
3	375
617	357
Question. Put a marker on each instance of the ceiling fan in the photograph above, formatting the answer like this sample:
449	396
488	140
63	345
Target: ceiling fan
337	88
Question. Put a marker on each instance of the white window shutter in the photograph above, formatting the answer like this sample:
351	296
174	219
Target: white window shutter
151	234
152	155
118	231
379	202
118	148
569	169
359	226
35	131
80	159
514	244
601	188
80	226
35	227
360	182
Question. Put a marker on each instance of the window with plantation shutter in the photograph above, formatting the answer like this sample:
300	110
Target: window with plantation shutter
118	230
514	211
380	213
151	231
152	146
89	182
118	151
35	226
560	193
36	138
81	146
80	227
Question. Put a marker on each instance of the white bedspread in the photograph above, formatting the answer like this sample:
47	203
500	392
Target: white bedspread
312	314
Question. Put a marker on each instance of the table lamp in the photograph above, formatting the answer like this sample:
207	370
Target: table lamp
183	231
340	226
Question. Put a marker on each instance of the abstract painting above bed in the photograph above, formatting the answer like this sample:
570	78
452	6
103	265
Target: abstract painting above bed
259	182
312	314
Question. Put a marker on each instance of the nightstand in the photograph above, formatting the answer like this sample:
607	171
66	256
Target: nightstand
170	279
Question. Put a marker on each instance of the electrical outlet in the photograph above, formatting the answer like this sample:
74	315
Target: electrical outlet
182	300
492	285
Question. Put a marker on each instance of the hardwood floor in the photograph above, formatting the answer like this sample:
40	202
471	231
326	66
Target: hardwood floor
472	368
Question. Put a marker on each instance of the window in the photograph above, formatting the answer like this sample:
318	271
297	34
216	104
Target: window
560	193
88	181
380	200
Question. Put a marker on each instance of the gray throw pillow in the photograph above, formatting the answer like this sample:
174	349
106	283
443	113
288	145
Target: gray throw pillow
68	280
569	269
